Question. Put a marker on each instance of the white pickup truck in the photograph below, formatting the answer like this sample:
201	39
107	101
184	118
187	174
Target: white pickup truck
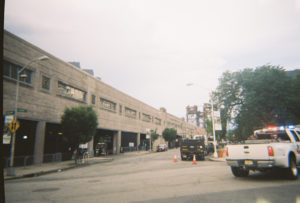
277	147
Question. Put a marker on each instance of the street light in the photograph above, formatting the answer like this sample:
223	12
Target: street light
213	126
11	170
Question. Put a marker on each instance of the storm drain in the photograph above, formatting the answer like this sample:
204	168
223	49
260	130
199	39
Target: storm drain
46	189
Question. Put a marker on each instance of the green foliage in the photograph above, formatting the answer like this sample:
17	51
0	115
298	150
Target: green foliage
209	129
295	99
79	125
169	134
255	98
224	117
231	136
154	135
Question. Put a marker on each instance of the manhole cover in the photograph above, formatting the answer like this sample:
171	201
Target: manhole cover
46	189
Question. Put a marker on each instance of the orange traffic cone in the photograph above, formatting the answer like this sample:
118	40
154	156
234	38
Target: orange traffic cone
194	159
175	158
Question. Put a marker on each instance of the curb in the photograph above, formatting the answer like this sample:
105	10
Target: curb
217	159
58	170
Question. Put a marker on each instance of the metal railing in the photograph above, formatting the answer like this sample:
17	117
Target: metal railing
18	161
128	149
28	160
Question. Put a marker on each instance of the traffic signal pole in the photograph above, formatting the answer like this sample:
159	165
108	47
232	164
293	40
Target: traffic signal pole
11	171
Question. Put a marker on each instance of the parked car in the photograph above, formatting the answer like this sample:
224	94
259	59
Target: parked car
162	147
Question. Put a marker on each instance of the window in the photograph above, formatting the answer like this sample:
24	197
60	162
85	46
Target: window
108	105
11	71
45	83
71	92
146	117
130	112
157	121
93	99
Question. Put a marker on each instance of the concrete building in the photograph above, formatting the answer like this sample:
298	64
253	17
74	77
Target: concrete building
53	85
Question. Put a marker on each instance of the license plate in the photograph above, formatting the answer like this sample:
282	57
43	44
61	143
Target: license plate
248	162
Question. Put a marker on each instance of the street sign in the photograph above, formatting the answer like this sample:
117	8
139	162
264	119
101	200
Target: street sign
9	113
217	120
6	139
8	119
22	110
13	126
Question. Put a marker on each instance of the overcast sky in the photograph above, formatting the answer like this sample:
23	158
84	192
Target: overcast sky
151	49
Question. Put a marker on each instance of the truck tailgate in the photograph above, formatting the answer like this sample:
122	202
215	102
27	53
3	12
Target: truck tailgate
248	151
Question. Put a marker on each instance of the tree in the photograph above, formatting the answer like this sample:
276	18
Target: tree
209	128
154	135
255	98
169	134
79	125
294	99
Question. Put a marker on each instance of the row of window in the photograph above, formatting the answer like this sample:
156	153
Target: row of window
11	70
174	125
68	91
71	92
130	113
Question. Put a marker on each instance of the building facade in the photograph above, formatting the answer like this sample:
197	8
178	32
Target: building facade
51	86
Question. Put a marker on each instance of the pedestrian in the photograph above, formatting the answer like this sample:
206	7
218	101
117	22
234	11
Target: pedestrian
75	155
105	149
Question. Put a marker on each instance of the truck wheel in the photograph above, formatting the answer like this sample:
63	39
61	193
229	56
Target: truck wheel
239	172
292	171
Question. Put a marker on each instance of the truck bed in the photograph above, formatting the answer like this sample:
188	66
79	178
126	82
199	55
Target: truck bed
248	151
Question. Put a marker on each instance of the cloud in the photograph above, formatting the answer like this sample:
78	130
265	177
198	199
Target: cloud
150	49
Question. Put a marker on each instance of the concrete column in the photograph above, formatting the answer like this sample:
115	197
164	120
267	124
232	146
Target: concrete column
39	142
138	141
117	142
91	147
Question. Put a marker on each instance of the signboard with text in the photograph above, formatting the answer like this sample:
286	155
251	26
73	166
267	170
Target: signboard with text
6	134
6	138
217	120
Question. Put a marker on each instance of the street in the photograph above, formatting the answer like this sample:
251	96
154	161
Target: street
152	177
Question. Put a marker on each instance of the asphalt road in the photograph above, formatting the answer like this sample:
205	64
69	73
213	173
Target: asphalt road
153	177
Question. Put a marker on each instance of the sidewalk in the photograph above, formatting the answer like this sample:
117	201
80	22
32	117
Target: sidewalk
222	159
37	170
56	167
